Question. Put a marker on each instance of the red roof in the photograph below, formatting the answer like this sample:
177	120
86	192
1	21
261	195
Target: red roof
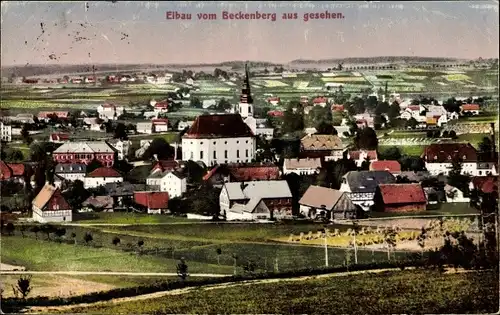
210	173
470	107
165	165
59	136
391	166
104	172
273	99
248	172
402	193
219	126
58	200
160	121
486	184
58	114
18	169
338	108
372	154
319	100
275	113
361	121
152	199
108	106
414	107
5	171
163	104
446	152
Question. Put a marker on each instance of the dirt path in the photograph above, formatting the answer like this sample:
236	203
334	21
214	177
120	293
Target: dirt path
213	287
7	267
110	273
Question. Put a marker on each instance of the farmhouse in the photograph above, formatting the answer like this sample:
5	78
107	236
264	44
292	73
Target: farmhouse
85	152
386	165
241	173
121	147
362	185
321	202
438	158
172	182
5	132
165	166
58	137
473	109
144	127
50	206
160	124
400	198
305	166
328	147
184	124
102	176
218	139
45	116
155	202
453	194
98	203
275	194
110	111
93	123
12	172
71	172
362	155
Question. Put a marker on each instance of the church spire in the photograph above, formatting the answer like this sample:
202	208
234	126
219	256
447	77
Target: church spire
246	96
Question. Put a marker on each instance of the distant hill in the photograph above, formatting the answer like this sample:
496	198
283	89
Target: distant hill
383	59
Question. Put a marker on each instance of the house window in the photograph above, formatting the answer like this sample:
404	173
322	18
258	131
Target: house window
225	142
237	153
214	142
246	141
237	142
464	157
225	154
201	155
215	154
192	155
201	142
246	153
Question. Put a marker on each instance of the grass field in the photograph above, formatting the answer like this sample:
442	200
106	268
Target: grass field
412	150
403	292
129	218
45	255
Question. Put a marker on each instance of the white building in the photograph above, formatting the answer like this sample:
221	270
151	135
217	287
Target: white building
219	139
121	146
5	132
209	103
145	127
110	111
184	124
454	194
363	155
171	181
361	186
50	206
160	125
101	177
305	166
71	172
438	158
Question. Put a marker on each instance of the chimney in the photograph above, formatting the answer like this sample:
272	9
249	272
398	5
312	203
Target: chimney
243	186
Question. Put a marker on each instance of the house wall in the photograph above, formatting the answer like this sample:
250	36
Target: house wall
280	207
173	185
52	216
234	216
413	207
154	211
220	150
93	182
5	132
224	202
161	128
468	168
300	171
107	159
72	176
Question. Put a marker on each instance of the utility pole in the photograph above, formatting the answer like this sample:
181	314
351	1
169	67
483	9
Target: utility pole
276	269
326	250
355	231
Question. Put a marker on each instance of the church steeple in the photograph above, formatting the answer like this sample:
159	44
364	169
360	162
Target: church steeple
245	107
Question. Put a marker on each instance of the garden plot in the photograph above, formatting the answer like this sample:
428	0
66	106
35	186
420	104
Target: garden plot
344	79
415	77
357	74
442	83
407	141
300	84
271	83
273	77
456	77
230	83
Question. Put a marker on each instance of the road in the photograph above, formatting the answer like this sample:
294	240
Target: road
110	273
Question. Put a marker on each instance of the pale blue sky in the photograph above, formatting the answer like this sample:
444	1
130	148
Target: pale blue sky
438	29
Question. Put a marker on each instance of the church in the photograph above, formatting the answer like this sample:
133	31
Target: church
223	138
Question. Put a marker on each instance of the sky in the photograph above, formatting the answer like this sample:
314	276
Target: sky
95	32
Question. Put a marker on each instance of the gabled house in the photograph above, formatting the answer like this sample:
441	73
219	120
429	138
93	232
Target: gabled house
386	165
321	101
154	201
144	127
110	111
453	194
485	184
359	156
160	124
400	198
275	194
305	166
102	176
12	172
50	206
58	137
326	203
361	185
438	158
122	192
473	109
45	116
98	203
172	182
328	147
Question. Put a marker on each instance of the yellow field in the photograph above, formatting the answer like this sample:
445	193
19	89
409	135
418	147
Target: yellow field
274	83
344	79
456	77
300	84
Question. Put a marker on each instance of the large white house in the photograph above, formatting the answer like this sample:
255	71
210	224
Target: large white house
5	132
219	139
50	206
110	111
172	182
102	176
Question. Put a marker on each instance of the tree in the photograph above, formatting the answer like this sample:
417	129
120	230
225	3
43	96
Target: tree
23	286
76	194
392	153
10	228
365	165
160	148
140	243
389	240
93	165
182	269
219	252
120	132
382	108
60	232
116	240
194	171
35	229
13	155
393	111
73	236
411	123
371	102
486	145
88	238
25	134
223	105
456	178
366	138
195	102
292	121
378	121
47	229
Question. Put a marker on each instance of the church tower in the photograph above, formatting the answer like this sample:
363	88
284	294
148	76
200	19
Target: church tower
245	107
